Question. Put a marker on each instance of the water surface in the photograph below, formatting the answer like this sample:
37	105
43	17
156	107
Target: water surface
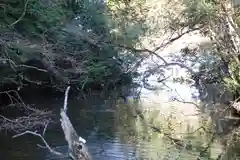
113	132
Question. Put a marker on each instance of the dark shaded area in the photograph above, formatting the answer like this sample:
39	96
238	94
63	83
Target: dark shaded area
40	54
93	119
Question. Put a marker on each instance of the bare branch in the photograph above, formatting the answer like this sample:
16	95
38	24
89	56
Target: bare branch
173	39
187	102
183	101
7	119
76	144
34	119
166	64
22	15
42	138
22	65
170	40
66	99
45	129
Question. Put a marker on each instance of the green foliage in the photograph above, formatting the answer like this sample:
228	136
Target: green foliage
199	7
93	16
114	21
199	11
89	61
38	15
128	20
233	82
213	18
113	26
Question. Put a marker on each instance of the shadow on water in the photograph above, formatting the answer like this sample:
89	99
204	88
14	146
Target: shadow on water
114	131
94	119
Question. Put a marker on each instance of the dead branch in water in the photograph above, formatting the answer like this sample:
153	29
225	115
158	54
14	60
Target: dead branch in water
66	99
35	119
32	118
42	138
76	144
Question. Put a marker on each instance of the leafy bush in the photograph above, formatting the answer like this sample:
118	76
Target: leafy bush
43	43
35	16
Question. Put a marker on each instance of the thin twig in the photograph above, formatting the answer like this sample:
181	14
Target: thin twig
42	138
183	101
22	65
7	119
22	15
45	128
66	99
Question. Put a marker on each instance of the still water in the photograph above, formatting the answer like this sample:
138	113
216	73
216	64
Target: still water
114	131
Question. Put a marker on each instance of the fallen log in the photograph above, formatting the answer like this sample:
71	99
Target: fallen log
76	144
77	149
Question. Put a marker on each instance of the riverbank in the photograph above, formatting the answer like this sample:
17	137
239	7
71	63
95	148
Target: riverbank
45	48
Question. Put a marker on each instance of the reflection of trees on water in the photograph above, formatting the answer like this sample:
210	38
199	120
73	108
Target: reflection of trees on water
231	147
128	125
223	119
214	93
166	140
215	102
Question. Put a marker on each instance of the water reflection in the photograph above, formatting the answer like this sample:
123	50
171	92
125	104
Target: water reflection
114	130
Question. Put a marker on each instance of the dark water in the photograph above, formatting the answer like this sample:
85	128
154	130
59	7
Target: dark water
114	133
94	119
